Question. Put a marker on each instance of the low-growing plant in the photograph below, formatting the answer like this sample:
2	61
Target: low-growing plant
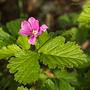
40	60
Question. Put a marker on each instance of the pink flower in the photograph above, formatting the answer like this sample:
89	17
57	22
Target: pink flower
32	29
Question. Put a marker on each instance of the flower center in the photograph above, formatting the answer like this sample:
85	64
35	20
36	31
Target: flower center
35	32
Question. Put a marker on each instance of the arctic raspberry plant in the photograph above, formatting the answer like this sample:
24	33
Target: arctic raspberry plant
37	58
40	60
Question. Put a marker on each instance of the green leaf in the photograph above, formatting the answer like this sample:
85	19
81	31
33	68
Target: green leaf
56	85
67	76
75	34
9	51
70	34
23	42
5	38
14	27
57	53
42	39
68	20
22	88
86	82
6	81
49	85
25	66
63	85
84	18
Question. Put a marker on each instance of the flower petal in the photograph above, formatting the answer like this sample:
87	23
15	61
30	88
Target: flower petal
34	23
25	28
32	40
43	28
